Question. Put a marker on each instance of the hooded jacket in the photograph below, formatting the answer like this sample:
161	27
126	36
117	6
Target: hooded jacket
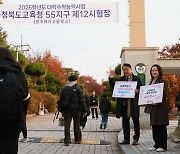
16	69
77	99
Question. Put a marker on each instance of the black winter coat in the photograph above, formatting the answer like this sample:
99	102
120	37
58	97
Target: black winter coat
76	98
134	107
159	112
105	106
93	101
16	69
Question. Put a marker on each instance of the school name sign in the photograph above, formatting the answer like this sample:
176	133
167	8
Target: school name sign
71	13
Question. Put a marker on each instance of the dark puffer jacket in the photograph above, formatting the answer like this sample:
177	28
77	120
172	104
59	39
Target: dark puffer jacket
8	66
105	106
76	96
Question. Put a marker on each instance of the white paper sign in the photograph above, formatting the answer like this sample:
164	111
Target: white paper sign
151	94
124	89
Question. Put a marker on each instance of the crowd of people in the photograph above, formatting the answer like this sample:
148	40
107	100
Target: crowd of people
75	104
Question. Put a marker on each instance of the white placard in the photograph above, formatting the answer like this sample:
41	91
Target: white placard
124	89
61	13
151	94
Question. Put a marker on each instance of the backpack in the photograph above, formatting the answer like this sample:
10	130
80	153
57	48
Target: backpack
63	104
104	106
9	97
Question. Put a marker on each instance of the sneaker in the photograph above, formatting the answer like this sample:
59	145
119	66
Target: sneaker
25	140
160	150
152	149
101	126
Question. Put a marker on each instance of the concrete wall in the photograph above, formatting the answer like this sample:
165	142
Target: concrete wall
147	56
170	66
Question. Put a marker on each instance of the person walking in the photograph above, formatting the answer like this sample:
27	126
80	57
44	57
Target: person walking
94	105
105	107
128	107
13	90
159	112
75	97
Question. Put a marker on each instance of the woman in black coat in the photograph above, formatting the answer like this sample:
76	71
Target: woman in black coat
159	112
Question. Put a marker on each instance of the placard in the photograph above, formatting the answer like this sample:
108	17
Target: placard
151	94
124	89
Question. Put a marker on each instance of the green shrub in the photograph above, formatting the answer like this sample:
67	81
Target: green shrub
40	88
52	84
58	89
40	82
56	80
51	78
52	89
28	80
33	80
35	69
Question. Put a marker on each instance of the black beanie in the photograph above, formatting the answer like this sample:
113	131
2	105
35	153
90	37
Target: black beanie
72	78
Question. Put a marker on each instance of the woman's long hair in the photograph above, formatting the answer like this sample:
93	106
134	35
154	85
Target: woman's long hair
6	55
159	68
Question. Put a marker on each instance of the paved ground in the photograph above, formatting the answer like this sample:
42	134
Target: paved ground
146	140
42	126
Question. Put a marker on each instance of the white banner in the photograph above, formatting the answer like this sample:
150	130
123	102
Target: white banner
70	13
124	89
151	94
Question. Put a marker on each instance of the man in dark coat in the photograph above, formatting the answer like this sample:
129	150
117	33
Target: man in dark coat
76	106
127	107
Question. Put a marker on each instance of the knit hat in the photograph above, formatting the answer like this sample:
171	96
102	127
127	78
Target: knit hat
72	78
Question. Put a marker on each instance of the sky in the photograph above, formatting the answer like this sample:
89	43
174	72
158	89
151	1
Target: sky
93	49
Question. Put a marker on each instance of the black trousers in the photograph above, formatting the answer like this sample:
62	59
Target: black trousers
160	136
9	140
68	116
96	112
24	131
126	126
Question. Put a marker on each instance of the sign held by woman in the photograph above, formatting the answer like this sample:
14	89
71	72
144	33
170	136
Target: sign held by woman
151	94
